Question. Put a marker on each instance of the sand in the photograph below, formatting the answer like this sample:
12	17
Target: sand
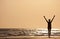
31	37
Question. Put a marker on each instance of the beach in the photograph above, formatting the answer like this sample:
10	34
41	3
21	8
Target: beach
31	37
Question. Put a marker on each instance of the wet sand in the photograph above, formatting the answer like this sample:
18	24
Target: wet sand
31	37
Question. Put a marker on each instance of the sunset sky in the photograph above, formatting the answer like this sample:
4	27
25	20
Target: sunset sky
29	13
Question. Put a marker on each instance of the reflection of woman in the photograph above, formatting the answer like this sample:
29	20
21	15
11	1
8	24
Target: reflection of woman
49	21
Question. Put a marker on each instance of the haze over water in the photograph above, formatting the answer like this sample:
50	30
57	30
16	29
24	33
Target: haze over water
28	13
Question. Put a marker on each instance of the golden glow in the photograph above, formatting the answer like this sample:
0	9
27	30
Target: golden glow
28	13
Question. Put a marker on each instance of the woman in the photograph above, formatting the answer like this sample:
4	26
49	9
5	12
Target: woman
49	21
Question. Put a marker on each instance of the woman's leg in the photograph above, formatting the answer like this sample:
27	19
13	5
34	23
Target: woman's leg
49	32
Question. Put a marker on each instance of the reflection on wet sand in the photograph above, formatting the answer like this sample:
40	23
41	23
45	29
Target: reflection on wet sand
35	37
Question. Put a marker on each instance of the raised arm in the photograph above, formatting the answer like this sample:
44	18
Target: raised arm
45	18
53	18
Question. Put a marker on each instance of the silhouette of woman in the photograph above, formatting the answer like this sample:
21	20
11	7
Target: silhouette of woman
49	21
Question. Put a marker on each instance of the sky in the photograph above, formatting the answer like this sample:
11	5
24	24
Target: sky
29	13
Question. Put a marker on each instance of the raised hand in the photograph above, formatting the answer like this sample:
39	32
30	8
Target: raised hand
45	18
53	18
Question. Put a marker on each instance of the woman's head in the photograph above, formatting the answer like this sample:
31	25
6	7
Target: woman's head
49	20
